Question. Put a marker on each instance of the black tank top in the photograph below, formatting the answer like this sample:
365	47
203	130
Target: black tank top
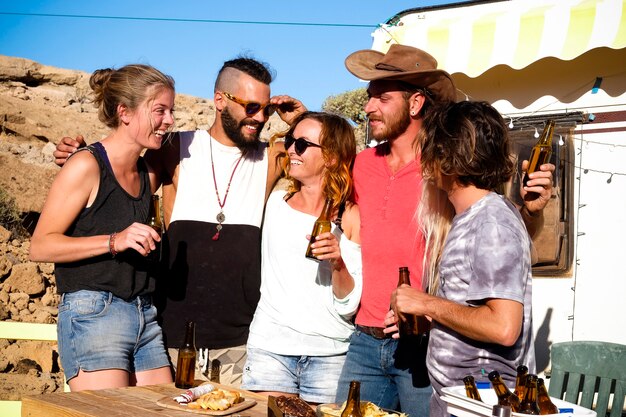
128	274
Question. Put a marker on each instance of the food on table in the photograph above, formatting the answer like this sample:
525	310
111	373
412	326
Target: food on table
368	409
217	400
294	406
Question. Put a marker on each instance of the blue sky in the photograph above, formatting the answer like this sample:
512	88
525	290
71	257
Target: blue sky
308	59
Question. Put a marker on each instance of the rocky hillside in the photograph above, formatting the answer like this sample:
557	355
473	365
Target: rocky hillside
39	105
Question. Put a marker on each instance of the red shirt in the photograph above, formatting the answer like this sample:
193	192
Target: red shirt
390	237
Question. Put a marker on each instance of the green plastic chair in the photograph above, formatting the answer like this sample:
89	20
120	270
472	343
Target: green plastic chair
588	368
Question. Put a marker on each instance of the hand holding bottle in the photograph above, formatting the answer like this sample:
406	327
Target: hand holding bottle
137	236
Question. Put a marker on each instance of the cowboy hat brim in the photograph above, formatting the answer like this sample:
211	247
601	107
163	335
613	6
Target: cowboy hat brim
362	64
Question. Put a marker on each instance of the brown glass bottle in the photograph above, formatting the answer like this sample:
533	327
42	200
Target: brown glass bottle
470	388
353	404
546	406
541	152
410	324
529	403
322	225
154	221
186	365
520	382
505	396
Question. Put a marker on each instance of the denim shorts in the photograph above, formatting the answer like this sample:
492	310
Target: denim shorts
98	331
313	378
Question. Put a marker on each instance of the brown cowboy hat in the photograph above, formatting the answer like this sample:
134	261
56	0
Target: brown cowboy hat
403	63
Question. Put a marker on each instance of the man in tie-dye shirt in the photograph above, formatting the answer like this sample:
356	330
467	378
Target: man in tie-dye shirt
482	308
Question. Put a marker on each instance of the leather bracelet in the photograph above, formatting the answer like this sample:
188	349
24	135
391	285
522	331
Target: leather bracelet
112	250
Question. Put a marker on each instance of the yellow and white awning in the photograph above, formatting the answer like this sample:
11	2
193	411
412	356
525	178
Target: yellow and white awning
471	39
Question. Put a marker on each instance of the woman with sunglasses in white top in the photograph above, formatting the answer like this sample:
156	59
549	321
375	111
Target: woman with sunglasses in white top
300	332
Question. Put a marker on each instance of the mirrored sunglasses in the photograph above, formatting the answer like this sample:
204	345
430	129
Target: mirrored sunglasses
300	144
252	107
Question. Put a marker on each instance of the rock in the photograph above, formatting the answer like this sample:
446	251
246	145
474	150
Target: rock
25	278
5	266
4	297
42	316
19	299
13	385
46	268
42	353
48	298
5	235
24	366
4	364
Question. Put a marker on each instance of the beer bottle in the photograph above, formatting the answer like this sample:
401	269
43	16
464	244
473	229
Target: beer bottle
186	365
520	381
410	324
353	404
470	388
529	403
546	406
541	152
505	396
154	221
322	225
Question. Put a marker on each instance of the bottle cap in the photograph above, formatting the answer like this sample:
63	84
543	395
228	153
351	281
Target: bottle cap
566	410
501	411
483	384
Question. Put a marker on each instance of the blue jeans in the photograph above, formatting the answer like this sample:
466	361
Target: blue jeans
97	330
385	369
313	378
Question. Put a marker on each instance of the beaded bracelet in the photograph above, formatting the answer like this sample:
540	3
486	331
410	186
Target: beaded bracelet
112	250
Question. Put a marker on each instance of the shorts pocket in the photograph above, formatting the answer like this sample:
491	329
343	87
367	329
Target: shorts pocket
86	304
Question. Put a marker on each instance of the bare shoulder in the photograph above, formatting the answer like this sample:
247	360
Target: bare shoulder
80	174
79	164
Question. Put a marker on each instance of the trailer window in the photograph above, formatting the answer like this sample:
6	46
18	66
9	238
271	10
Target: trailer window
554	243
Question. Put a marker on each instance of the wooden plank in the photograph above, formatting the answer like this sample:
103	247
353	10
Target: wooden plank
120	402
27	331
10	408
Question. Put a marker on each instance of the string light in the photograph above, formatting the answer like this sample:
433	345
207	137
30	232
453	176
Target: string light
536	133
561	142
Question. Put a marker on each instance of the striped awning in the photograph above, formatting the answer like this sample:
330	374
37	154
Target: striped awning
471	39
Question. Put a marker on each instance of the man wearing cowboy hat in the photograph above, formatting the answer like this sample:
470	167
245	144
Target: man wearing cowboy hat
404	83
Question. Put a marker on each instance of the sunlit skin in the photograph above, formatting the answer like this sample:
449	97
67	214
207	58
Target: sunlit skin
248	89
387	110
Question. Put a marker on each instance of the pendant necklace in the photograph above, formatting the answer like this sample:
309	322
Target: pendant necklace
220	216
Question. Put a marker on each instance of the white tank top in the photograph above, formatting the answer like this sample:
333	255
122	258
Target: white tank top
195	196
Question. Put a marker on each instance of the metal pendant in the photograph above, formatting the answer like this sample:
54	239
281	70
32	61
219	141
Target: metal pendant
220	217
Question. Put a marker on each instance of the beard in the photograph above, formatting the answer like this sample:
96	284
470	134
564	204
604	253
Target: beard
393	124
233	130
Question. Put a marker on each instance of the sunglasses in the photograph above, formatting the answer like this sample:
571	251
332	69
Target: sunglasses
252	107
300	144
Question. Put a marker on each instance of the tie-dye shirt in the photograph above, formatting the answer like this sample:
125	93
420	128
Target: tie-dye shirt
486	255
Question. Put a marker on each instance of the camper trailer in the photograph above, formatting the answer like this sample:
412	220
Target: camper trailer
536	60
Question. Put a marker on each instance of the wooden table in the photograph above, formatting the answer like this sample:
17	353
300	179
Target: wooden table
121	402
